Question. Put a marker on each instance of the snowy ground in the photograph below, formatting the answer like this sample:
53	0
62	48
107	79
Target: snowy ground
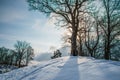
67	68
6	68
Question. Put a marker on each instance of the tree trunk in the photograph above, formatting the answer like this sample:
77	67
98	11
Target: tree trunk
107	51
27	59
91	53
19	64
108	34
73	43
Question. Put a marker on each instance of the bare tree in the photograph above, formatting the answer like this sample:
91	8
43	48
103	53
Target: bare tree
92	41
90	33
68	10
21	49
110	23
29	55
3	55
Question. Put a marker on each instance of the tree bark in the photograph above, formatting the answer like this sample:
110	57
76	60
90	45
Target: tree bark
107	52
73	43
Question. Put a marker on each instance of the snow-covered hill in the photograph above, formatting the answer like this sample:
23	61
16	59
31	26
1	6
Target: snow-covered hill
67	68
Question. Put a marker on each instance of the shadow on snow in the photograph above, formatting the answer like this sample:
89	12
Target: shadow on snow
69	71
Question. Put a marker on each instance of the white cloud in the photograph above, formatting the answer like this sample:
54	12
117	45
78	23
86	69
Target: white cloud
8	16
46	26
52	36
8	37
38	24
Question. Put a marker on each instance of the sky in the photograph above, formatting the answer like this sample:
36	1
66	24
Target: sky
18	23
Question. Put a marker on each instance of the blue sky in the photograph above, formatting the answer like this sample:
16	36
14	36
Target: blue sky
18	23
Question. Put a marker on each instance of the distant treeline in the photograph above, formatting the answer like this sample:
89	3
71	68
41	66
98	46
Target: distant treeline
20	56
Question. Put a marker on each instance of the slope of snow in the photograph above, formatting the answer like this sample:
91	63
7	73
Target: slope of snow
67	68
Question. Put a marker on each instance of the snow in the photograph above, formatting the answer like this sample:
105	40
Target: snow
67	68
6	68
